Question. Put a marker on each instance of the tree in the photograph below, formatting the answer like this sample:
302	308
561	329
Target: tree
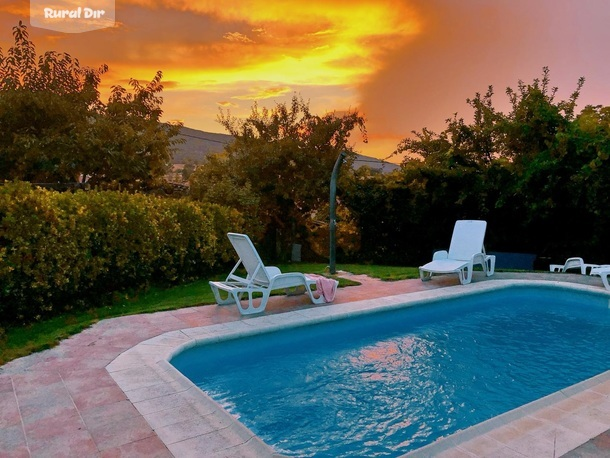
538	174
129	146
54	128
283	157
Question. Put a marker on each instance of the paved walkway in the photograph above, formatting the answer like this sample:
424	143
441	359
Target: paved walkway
63	403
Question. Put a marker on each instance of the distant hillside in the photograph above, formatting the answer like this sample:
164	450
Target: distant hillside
198	144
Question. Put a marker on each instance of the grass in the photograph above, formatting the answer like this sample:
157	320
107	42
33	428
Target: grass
16	342
386	273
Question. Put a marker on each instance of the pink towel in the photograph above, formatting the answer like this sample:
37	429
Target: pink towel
326	286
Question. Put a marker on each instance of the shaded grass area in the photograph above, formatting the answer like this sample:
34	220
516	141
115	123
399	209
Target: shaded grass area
386	273
16	342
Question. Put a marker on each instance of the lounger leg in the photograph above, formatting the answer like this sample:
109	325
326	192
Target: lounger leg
490	265
604	276
230	299
425	276
250	309
465	275
315	300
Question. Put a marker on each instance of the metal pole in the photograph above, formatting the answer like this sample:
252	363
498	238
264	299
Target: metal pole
333	212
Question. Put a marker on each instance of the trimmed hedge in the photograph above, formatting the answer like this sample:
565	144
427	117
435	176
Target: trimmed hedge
60	251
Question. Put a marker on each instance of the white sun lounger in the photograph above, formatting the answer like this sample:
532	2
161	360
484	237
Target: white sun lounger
603	271
258	279
572	263
466	250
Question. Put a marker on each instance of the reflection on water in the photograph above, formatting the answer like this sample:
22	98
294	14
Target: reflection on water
390	360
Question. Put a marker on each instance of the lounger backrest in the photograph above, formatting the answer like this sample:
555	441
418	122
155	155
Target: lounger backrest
249	257
467	239
573	263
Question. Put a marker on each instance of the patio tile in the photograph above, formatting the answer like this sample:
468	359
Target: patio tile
589	397
33	380
455	453
87	380
527	424
118	433
161	403
12	441
603	388
22	452
482	445
550	414
98	397
75	444
563	439
584	425
150	447
569	405
54	400
505	434
184	430
101	415
531	446
206	444
172	416
6	384
9	410
245	450
151	392
136	377
46	429
507	452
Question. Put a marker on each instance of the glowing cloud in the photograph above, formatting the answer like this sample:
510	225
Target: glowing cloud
227	104
265	93
237	37
300	42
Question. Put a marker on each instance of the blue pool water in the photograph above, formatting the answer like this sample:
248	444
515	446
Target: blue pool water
387	383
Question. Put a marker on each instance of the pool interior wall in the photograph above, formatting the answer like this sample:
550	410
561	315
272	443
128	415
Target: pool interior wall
207	427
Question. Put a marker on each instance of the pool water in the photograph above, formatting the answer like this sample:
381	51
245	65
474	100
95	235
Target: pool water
387	383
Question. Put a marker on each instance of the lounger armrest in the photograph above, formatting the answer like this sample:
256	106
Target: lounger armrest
438	255
273	271
288	280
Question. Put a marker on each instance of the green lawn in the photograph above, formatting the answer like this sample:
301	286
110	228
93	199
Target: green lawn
21	341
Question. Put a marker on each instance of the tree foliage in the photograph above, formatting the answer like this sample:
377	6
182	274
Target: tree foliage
538	174
277	170
54	127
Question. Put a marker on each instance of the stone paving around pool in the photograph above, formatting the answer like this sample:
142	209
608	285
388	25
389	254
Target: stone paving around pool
66	401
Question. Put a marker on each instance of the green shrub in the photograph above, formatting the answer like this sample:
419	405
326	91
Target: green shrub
60	251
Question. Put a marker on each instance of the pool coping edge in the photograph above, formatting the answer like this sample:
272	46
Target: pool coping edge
162	394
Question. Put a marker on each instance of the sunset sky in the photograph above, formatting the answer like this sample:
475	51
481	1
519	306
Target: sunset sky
404	64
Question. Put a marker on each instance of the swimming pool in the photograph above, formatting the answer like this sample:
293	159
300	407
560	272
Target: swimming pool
426	338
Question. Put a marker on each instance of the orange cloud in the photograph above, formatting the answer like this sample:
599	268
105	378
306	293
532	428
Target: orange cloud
220	53
15	8
226	104
237	37
265	93
302	42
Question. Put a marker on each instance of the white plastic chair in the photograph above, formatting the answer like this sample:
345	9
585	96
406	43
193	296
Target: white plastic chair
258	279
466	250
